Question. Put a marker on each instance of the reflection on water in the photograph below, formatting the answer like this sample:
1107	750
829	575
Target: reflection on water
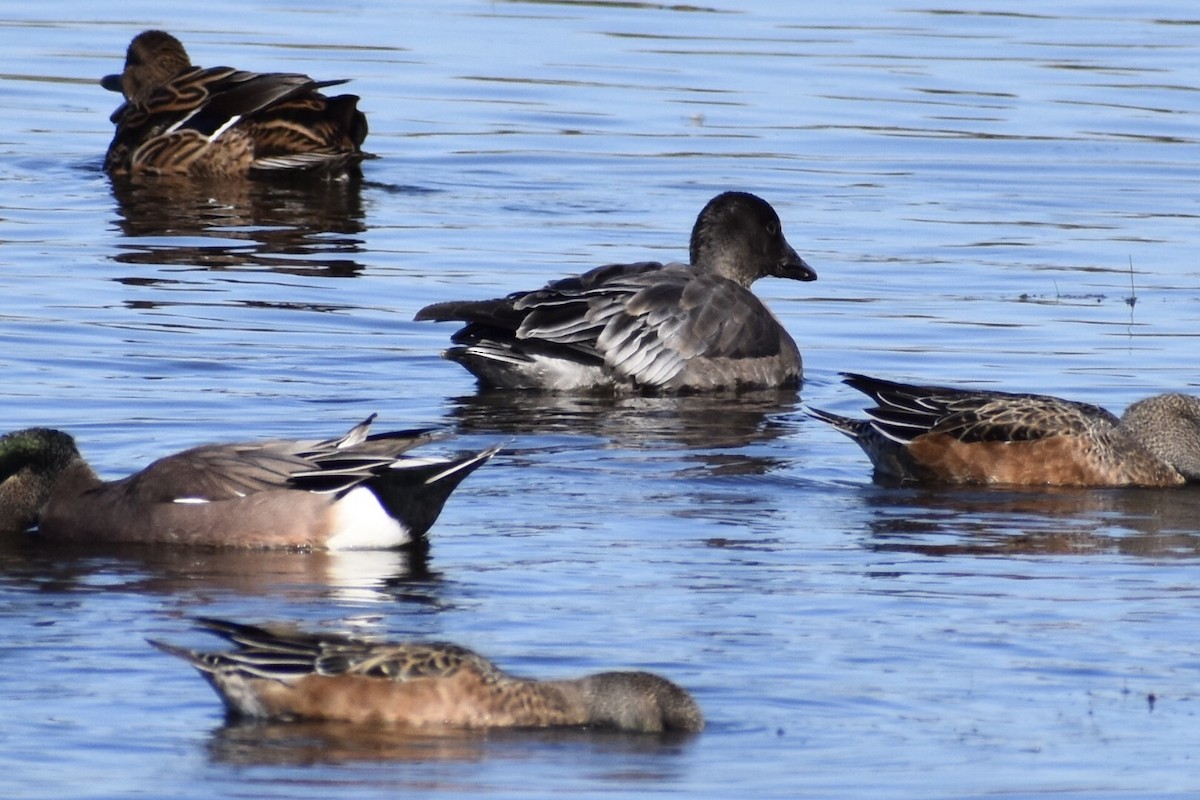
1146	523
941	167
363	576
294	227
712	430
260	743
694	421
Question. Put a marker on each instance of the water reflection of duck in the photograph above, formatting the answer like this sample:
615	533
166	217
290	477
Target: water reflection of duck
645	327
358	576
274	674
704	421
179	119
293	227
956	520
687	436
258	742
939	434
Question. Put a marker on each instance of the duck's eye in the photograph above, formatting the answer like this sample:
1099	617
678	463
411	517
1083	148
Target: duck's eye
772	228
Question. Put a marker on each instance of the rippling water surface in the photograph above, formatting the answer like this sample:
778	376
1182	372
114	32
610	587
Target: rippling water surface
1004	198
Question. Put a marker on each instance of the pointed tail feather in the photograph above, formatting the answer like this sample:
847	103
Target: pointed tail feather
854	428
415	493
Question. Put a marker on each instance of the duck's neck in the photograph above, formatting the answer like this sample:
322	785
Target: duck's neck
63	490
76	478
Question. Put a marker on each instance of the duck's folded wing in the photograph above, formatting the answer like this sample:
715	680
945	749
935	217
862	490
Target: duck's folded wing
403	662
904	411
217	472
562	300
206	100
651	335
230	471
282	654
1021	418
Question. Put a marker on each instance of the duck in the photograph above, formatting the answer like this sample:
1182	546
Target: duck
183	120
358	491
286	675
647	327
938	434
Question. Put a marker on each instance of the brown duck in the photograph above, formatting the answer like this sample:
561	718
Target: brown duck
356	492
285	675
946	435
178	119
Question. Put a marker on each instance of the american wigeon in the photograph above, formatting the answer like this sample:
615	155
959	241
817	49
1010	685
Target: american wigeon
939	434
354	492
645	327
178	119
286	675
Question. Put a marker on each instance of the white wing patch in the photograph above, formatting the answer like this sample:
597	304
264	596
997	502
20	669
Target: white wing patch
229	124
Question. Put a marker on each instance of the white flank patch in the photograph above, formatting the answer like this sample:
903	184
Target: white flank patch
562	375
191	501
360	522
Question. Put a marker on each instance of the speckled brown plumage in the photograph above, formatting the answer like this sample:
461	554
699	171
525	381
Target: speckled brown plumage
941	434
287	675
179	119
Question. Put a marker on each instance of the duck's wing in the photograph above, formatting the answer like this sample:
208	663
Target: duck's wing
647	322
906	411
284	654
205	100
648	328
216	472
267	122
644	322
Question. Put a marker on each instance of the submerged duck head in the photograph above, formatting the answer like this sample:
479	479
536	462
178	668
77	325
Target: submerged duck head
31	462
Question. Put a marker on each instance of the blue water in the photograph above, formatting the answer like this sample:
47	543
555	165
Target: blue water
1003	198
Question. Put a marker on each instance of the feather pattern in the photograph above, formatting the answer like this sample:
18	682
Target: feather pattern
645	326
287	674
949	435
359	490
179	119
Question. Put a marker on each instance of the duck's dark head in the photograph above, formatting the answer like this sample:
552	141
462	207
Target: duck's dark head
738	236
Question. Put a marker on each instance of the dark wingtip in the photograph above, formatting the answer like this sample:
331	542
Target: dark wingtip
873	387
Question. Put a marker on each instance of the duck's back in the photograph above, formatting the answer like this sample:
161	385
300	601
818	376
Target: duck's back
642	327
